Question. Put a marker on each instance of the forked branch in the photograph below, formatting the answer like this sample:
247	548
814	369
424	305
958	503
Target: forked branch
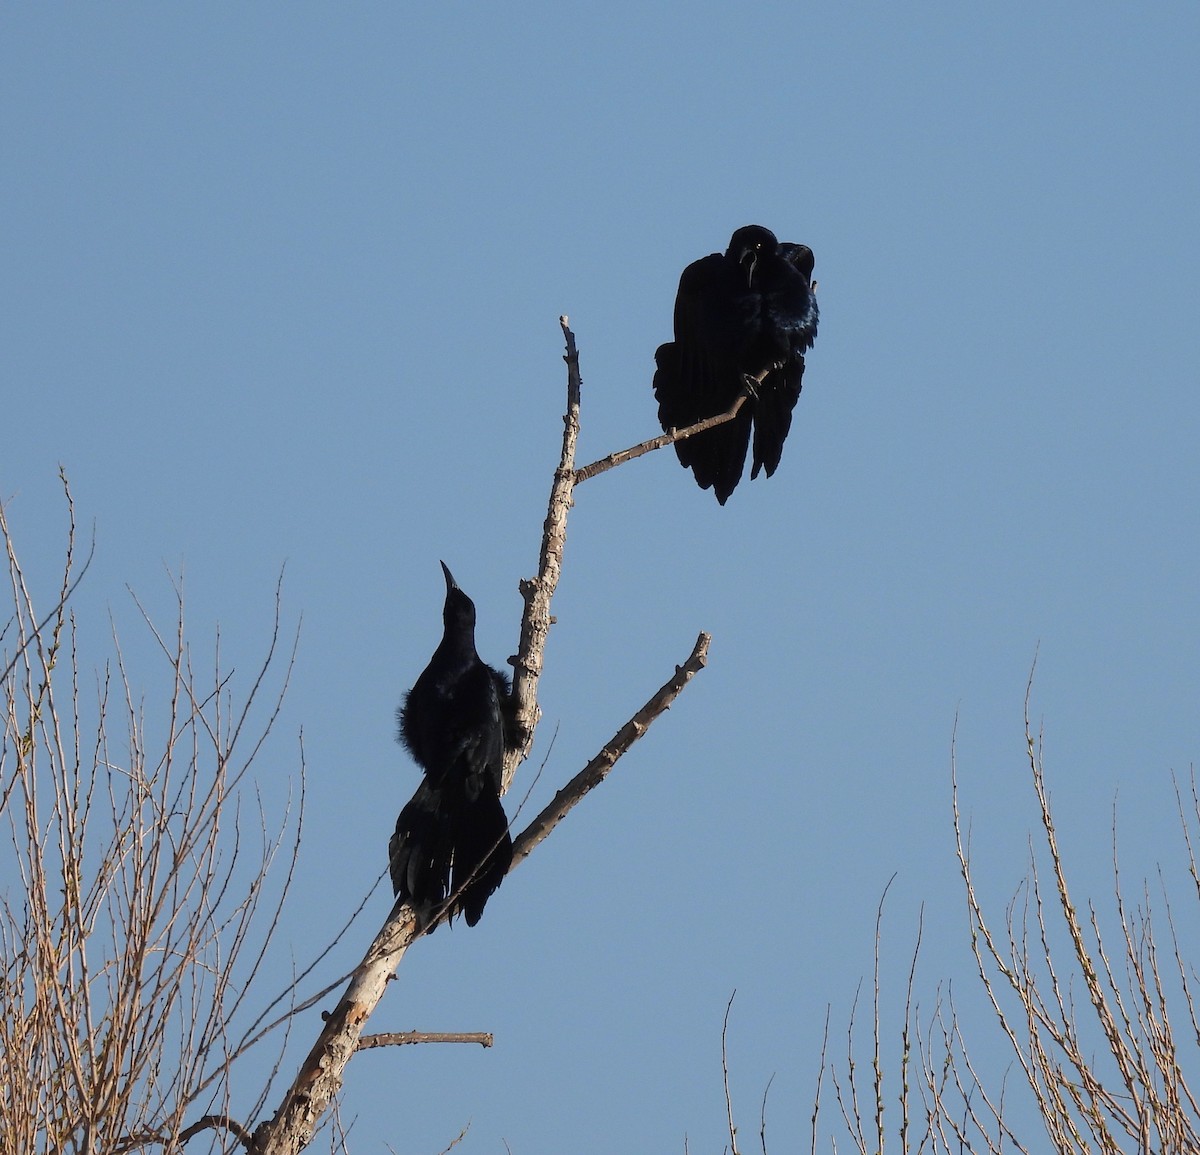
320	1076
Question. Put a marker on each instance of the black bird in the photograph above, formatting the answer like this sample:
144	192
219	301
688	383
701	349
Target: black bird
738	314
452	837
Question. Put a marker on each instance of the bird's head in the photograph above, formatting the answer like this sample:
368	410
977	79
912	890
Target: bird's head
748	244
800	257
459	610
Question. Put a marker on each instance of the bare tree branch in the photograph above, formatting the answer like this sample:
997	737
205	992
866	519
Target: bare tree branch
598	768
71	576
537	592
663	439
733	1147
320	1075
762	1115
406	1038
659	442
165	891
144	914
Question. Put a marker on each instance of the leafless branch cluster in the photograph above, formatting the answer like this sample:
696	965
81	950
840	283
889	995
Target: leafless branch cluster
1092	1015
1102	1024
926	1098
136	911
139	913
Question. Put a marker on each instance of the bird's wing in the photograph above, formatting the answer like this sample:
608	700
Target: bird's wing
698	375
791	305
482	854
682	382
476	749
790	314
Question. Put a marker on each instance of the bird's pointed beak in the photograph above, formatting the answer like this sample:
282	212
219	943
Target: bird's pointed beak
451	584
748	260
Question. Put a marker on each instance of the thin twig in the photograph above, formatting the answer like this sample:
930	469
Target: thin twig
762	1118
725	1076
876	1063
69	585
457	1140
816	1111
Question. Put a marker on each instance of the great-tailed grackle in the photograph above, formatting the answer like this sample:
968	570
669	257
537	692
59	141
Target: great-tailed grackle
738	314
452	839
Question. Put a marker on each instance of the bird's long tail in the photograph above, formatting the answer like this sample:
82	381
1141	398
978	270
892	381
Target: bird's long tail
482	853
421	849
773	414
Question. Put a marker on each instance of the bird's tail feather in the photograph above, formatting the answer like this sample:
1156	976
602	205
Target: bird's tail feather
421	849
449	851
482	854
719	455
773	415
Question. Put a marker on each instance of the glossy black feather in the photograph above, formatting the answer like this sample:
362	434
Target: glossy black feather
737	314
452	837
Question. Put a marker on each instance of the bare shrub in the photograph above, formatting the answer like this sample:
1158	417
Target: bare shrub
136	912
1101	1022
1092	1015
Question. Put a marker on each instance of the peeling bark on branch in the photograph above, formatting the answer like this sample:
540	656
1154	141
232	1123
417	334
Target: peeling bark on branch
537	592
320	1076
407	1038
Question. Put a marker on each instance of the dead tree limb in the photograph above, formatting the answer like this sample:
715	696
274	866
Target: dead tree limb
597	769
624	455
537	592
320	1076
407	1038
142	1140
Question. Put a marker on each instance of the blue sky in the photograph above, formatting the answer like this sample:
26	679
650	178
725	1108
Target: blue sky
281	286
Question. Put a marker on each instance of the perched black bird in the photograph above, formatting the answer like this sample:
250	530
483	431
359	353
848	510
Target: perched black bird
452	837
738	314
